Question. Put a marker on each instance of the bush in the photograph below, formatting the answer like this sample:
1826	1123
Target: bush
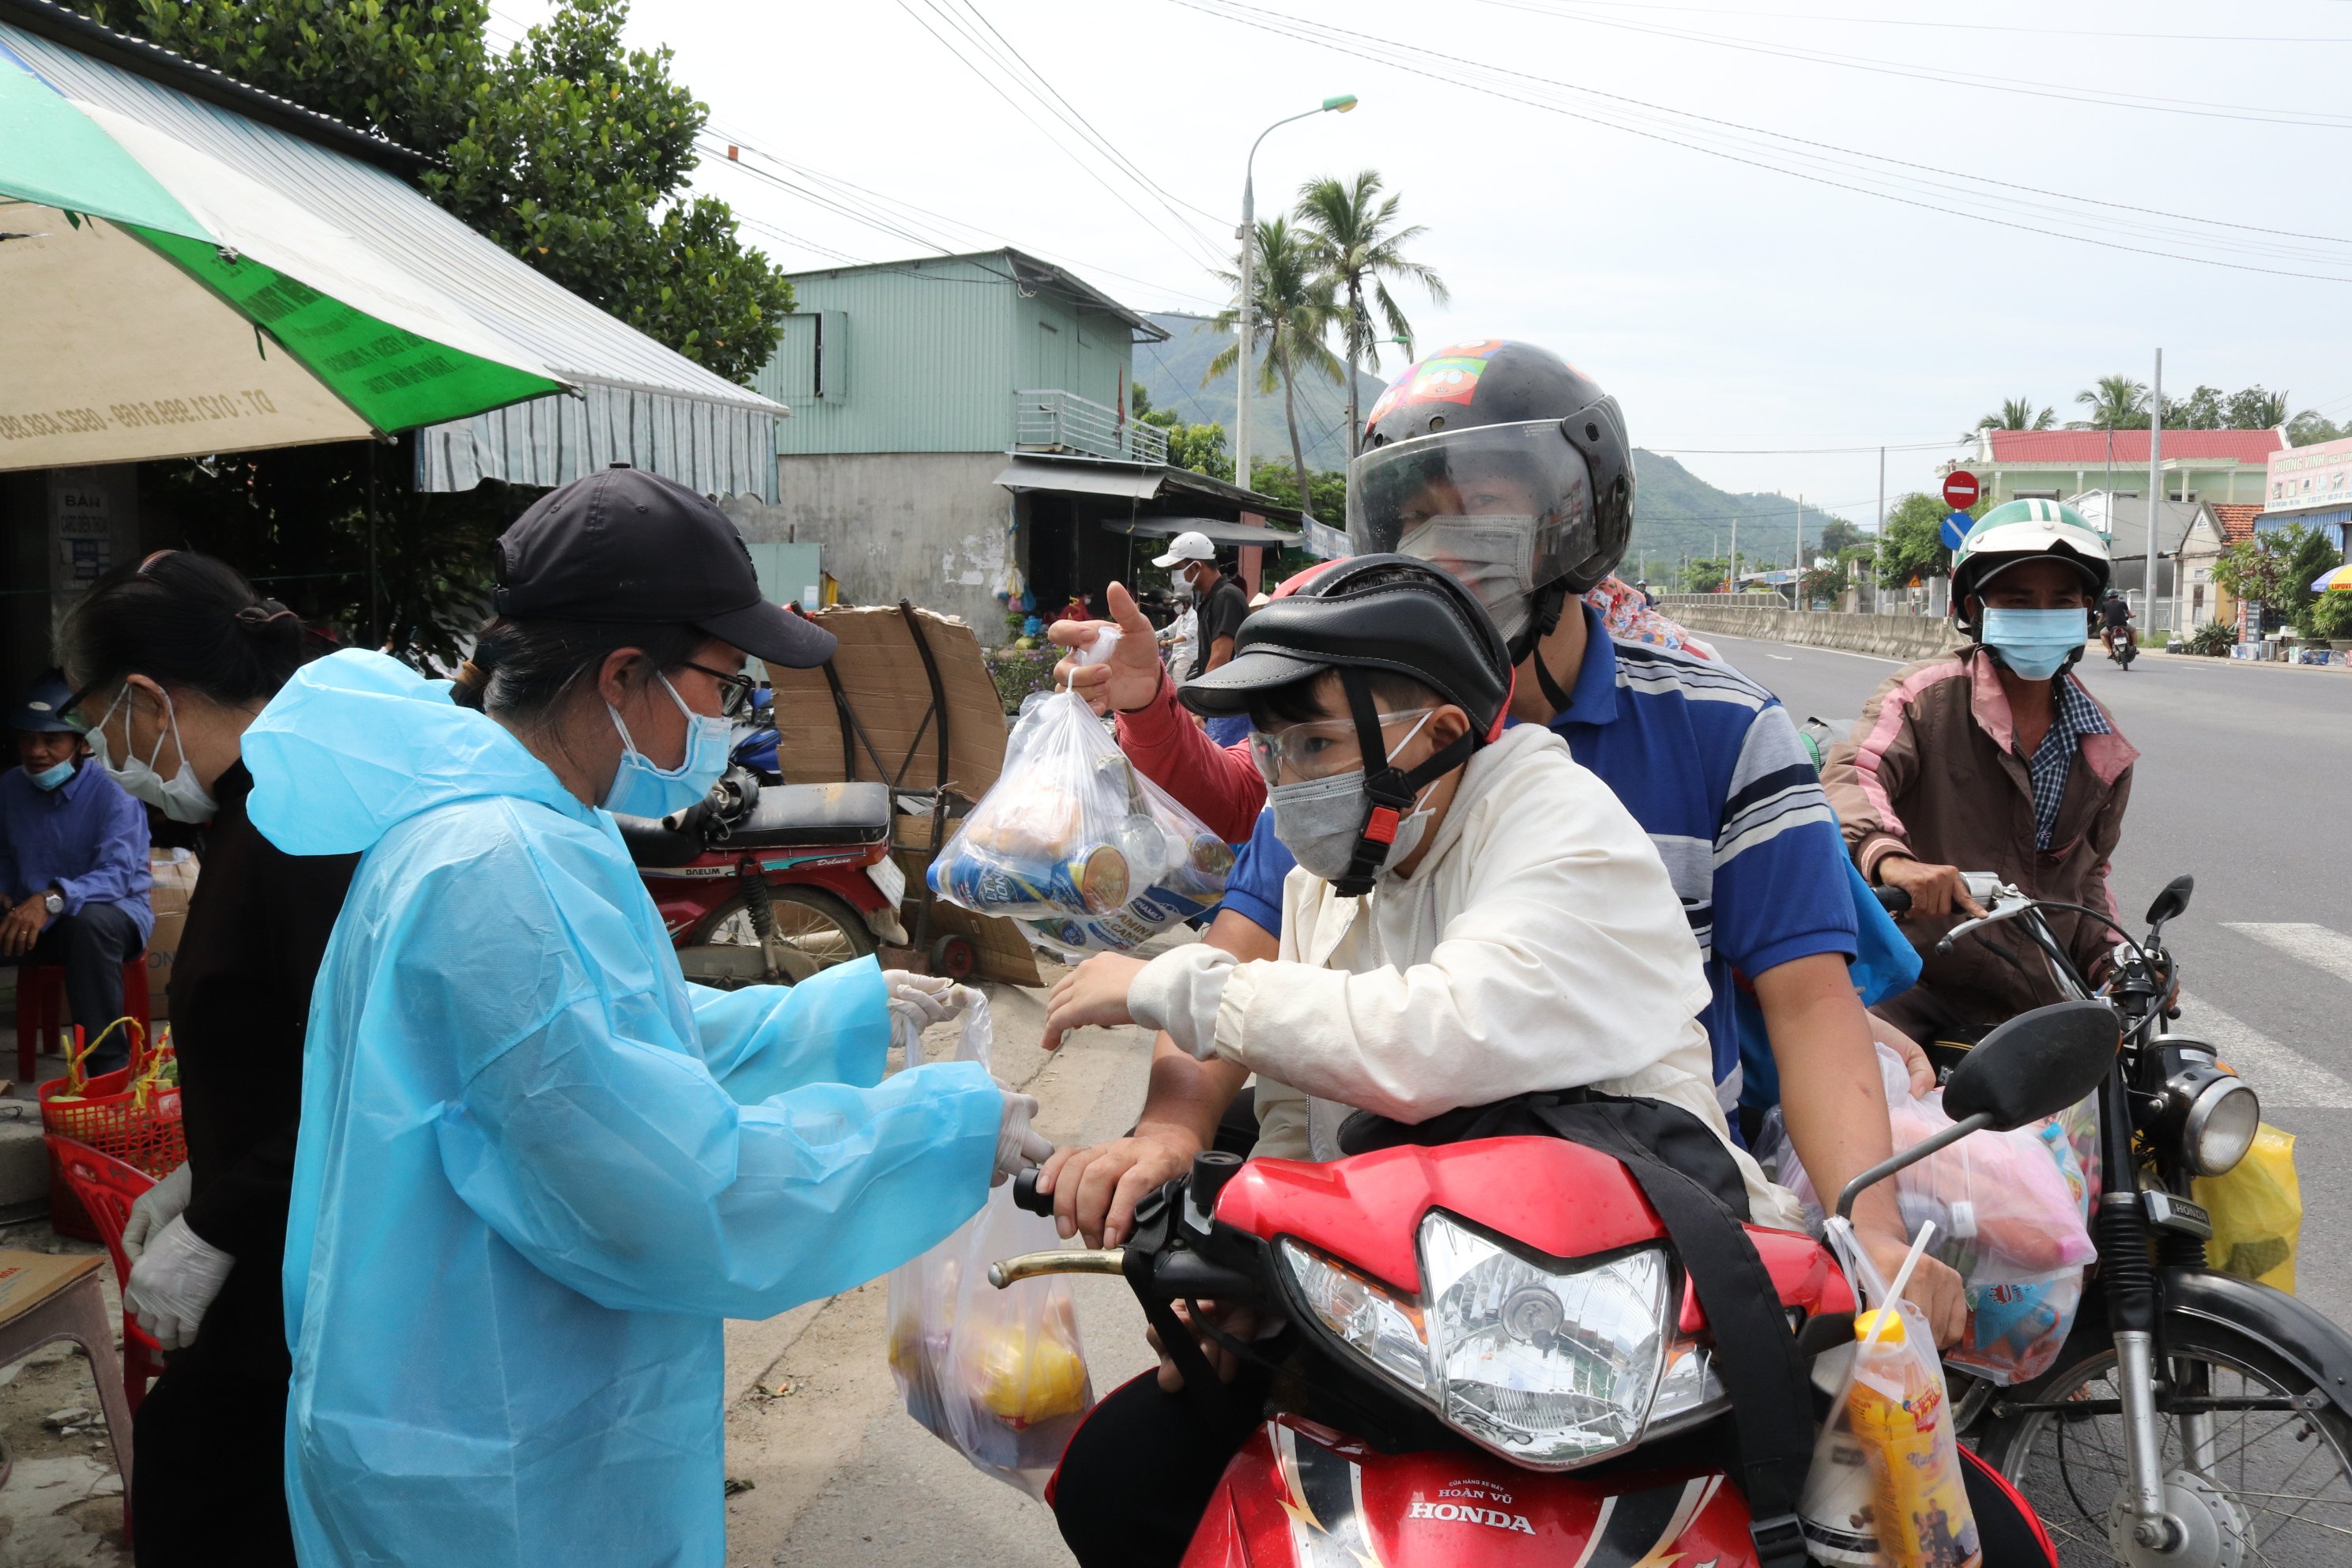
2213	639
2330	615
1019	671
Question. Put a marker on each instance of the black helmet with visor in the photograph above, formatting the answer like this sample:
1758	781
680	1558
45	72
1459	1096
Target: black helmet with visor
1506	466
1363	616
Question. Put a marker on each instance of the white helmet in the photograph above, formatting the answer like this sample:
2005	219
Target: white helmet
2020	531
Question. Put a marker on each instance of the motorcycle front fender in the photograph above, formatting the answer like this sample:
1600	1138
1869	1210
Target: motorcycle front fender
2300	1335
1290	1500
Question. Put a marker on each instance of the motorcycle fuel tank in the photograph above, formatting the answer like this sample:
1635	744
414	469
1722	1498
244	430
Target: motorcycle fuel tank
1292	1500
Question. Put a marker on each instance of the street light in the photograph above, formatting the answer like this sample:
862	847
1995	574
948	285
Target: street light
1247	235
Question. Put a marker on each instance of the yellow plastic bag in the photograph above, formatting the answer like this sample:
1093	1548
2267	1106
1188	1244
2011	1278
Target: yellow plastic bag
2257	1213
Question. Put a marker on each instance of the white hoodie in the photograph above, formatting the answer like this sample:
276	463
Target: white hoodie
1538	946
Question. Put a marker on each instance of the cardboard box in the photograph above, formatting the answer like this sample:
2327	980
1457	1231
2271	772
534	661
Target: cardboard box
174	871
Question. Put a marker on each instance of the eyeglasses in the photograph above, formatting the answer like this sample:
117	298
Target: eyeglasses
1317	747
734	690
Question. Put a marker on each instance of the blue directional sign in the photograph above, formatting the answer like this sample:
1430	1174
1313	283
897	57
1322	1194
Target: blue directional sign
1956	528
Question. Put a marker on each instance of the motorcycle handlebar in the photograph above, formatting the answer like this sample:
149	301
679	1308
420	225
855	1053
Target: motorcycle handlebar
1894	900
1026	1197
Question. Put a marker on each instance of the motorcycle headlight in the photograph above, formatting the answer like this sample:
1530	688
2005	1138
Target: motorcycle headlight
1365	1316
1550	1369
2220	1126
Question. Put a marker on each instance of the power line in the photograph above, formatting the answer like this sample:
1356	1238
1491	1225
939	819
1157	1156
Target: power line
2059	91
1803	451
1967	26
993	86
1362	47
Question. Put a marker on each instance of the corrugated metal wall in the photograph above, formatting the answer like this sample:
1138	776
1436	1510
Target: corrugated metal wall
930	363
935	351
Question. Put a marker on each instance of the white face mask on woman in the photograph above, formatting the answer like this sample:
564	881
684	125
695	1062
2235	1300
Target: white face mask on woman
181	797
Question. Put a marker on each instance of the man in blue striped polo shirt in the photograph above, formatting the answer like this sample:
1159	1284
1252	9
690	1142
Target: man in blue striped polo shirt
1511	470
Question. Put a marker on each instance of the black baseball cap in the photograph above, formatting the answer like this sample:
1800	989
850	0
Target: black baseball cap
625	545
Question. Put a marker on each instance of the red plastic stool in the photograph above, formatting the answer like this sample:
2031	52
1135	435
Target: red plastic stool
41	1007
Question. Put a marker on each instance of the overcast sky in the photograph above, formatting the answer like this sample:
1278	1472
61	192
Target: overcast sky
1727	302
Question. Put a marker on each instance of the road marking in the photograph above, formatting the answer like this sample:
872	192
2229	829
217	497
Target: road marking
2285	1078
1712	637
1783	657
2314	944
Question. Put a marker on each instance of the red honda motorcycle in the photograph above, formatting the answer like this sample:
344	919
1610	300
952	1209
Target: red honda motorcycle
1493	1351
766	884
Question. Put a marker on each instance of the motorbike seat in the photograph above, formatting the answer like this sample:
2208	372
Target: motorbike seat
817	814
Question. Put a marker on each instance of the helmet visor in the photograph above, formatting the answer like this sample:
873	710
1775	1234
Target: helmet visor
1504	508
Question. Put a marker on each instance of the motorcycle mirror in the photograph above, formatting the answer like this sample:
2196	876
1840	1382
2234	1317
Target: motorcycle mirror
2035	1065
2172	900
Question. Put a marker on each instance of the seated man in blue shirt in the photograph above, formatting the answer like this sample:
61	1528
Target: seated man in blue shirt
1500	462
73	867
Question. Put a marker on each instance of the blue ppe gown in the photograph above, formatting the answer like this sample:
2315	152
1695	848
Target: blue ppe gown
537	1168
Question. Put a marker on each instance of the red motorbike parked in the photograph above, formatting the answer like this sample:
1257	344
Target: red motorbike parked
1494	1350
766	884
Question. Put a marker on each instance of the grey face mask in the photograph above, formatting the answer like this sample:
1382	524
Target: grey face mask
1319	820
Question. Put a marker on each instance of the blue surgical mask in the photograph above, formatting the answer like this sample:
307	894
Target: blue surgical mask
2035	643
52	778
641	789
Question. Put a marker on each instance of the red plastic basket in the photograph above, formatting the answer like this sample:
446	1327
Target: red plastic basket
129	1113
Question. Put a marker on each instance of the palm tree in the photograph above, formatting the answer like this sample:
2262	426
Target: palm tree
2117	403
1294	310
1356	243
2017	414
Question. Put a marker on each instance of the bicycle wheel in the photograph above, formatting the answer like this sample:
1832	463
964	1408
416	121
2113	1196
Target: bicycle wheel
817	928
2279	1479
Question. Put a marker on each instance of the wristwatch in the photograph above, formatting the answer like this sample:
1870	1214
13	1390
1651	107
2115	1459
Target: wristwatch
53	902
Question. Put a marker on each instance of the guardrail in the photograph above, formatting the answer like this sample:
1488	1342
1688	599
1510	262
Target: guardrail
1048	419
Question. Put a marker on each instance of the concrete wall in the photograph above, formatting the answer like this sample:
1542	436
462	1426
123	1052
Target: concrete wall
65	527
1906	638
933	527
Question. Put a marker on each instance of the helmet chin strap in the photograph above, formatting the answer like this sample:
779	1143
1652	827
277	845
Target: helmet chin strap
1543	619
1390	790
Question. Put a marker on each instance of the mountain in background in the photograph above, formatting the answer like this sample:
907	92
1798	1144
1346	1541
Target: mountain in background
1675	510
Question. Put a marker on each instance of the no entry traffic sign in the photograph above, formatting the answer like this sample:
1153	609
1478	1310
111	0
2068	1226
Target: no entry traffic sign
1961	489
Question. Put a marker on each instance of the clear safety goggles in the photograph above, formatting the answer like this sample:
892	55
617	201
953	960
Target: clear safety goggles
1318	747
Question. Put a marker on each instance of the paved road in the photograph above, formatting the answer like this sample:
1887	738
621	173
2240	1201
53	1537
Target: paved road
2242	781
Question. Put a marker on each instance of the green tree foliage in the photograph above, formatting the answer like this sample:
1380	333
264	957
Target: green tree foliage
2276	568
1200	447
2017	414
569	151
1838	536
2116	403
1353	232
2308	429
2120	403
1327	488
1704	574
2330	615
1912	542
1296	308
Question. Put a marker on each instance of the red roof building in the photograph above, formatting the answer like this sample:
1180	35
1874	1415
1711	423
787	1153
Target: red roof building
2237	520
2224	467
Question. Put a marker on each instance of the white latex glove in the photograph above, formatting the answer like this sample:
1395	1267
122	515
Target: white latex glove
1018	1148
174	1282
919	1001
158	1206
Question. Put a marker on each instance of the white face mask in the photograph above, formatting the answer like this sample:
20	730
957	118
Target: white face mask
181	797
1493	556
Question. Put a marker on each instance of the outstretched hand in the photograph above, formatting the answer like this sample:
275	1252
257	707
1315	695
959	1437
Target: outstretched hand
1094	994
1131	677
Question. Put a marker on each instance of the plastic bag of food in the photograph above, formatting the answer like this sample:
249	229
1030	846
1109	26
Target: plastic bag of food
2257	1210
2016	1325
998	1374
1886	1487
1074	841
2011	1198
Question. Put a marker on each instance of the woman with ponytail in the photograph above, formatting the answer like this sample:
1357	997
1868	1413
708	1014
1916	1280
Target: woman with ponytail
173	659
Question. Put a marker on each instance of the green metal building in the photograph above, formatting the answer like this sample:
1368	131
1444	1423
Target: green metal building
960	432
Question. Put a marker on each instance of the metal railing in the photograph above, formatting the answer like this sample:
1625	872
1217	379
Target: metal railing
1048	419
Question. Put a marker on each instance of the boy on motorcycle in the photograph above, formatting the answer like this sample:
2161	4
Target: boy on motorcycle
1993	758
1436	955
1512	471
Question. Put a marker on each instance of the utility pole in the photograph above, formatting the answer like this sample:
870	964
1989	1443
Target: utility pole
2155	481
1732	581
1246	316
1882	490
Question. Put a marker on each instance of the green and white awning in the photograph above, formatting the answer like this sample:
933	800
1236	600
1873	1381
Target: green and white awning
163	303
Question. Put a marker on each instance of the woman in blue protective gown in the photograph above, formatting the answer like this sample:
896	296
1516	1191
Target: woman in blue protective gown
537	1168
